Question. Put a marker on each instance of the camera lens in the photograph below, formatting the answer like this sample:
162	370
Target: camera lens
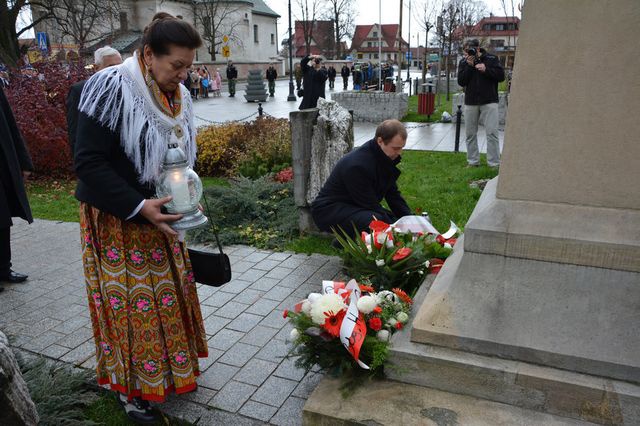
472	51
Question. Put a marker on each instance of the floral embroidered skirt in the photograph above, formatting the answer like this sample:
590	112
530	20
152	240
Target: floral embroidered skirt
144	307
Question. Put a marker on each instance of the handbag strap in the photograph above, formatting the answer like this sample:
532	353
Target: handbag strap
208	212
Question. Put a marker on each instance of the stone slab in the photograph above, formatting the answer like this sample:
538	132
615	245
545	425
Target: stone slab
564	316
387	402
554	232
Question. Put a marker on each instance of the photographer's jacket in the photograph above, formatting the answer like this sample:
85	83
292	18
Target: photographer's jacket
312	84
481	88
359	182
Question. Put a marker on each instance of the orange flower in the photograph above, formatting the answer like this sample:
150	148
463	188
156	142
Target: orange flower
285	313
366	288
378	226
333	322
402	295
402	253
377	310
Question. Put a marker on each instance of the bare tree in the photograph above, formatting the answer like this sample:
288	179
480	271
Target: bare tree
217	19
426	14
9	14
471	12
83	21
343	14
307	20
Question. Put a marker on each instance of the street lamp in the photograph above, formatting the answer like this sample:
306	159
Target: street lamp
292	96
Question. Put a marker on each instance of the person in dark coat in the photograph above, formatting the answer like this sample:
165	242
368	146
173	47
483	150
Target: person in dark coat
15	166
313	81
232	76
272	74
104	57
360	181
331	73
345	72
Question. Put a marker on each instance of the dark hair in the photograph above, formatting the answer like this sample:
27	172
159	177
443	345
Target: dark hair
473	43
165	30
389	129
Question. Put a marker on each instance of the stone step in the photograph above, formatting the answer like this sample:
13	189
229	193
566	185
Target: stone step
386	402
520	384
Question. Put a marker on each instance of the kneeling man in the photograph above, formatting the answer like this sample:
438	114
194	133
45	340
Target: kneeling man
361	179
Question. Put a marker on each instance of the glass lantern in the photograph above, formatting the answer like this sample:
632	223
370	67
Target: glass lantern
179	181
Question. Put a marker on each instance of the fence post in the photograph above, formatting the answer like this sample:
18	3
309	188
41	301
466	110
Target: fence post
458	119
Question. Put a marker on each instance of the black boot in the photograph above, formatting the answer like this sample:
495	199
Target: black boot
137	409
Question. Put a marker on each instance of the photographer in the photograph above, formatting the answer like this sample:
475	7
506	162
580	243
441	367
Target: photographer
479	73
313	81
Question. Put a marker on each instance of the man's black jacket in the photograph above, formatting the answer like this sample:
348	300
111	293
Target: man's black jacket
232	72
359	182
331	72
73	101
272	74
481	88
345	72
312	83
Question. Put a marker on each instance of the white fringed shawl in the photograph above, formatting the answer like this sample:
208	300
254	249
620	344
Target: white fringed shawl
119	96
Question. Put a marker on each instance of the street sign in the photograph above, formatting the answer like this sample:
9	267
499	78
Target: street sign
349	58
226	52
225	39
42	41
409	56
433	57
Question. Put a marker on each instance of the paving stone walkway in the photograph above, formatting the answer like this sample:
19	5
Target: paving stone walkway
245	380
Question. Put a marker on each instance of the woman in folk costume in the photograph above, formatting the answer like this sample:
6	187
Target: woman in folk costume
143	303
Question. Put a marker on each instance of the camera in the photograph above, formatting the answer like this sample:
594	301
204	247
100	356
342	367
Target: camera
472	51
316	60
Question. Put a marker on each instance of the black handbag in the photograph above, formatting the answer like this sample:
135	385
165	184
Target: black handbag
213	269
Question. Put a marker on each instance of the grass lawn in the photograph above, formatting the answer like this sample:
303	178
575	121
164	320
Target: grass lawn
412	112
435	182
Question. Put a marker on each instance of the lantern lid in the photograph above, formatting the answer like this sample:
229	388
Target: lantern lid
174	157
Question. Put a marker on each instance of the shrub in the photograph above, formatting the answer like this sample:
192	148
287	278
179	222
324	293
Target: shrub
257	212
252	149
38	103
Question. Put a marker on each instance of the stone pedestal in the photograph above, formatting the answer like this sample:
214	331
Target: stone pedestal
538	308
256	90
319	138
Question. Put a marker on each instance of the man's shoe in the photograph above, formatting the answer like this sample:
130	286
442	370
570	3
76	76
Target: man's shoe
137	409
13	277
470	165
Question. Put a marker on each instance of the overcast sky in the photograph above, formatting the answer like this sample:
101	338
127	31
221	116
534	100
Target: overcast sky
367	13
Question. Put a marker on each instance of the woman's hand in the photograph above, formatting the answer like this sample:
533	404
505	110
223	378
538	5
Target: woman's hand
151	211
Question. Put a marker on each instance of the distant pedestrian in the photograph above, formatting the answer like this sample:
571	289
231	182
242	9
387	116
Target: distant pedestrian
314	80
331	74
104	57
216	83
272	74
298	75
357	78
15	167
204	81
232	76
345	72
195	84
480	74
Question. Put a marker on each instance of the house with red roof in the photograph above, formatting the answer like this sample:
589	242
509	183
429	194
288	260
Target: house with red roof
364	45
321	37
497	34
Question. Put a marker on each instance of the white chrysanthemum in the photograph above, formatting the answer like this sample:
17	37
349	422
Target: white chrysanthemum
391	323
293	336
379	262
366	304
327	303
427	264
369	249
313	297
402	317
383	335
306	307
